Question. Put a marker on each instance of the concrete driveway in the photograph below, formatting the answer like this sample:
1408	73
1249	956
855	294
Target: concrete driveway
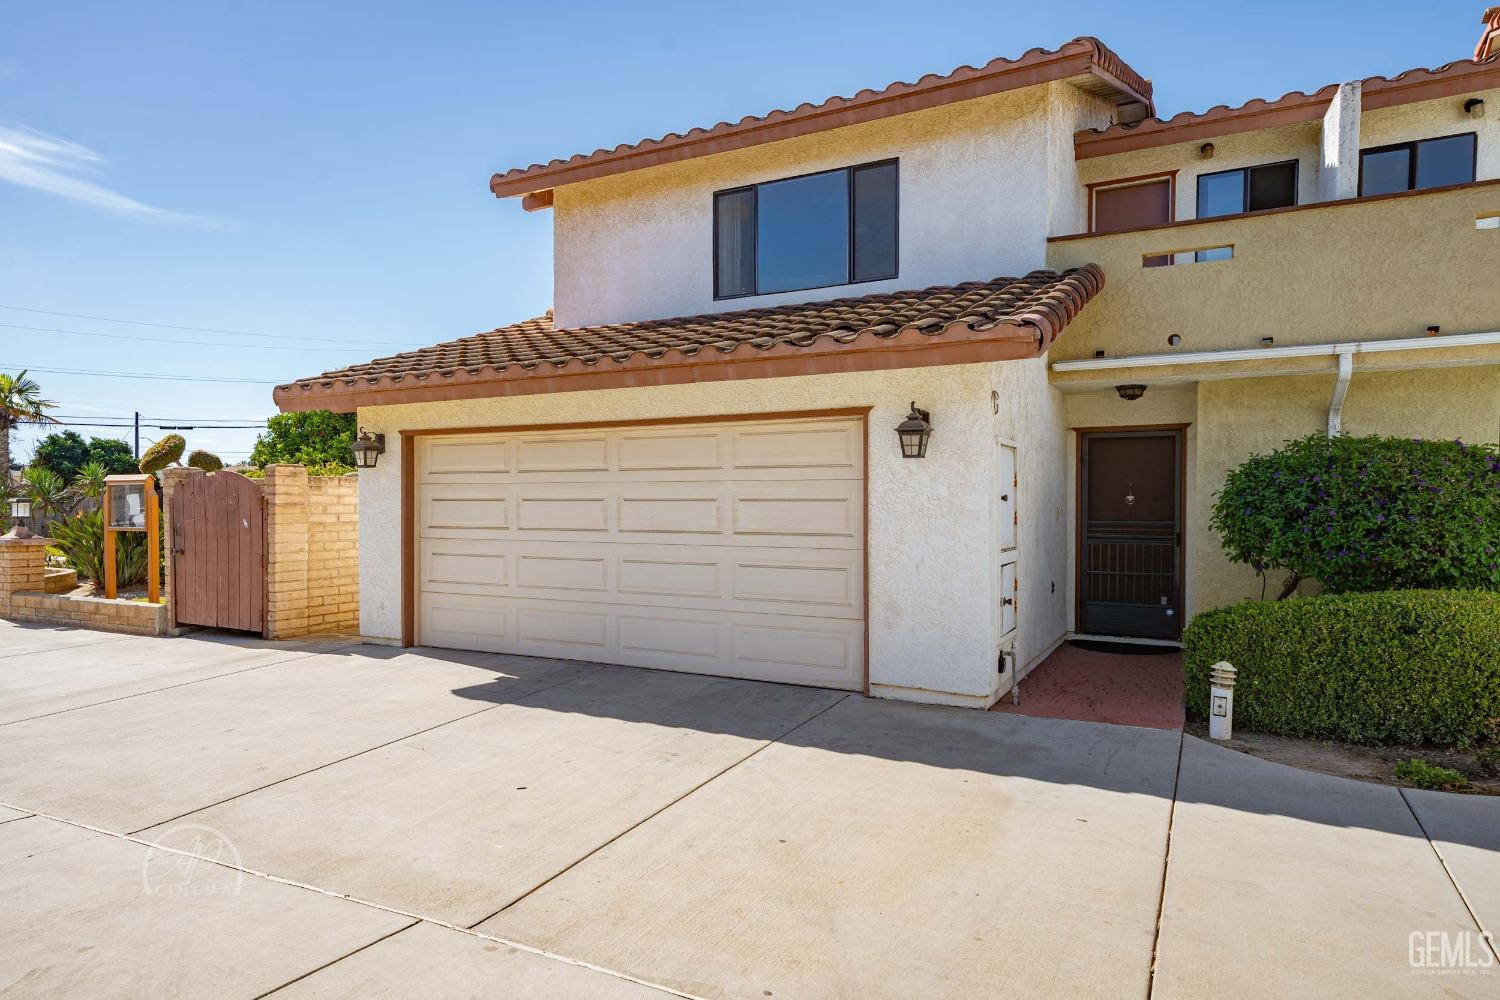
206	816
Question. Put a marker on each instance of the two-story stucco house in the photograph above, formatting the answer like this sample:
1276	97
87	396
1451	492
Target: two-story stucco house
693	461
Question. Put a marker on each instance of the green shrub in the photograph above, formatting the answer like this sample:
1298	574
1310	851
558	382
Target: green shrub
1413	666
1424	775
81	540
329	469
163	453
1367	513
205	460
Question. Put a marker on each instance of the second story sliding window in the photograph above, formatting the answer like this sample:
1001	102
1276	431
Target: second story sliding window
1248	189
1413	166
837	227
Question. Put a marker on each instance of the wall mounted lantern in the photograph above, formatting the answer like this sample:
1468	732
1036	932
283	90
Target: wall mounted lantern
368	448
914	432
20	509
1474	107
1130	391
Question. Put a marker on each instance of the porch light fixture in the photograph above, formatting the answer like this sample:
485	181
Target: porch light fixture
20	509
1130	391
368	448
1474	107
914	432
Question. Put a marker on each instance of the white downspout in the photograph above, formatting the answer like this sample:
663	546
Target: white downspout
1340	388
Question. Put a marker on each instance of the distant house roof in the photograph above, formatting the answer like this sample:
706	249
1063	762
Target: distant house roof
1086	61
1451	80
1006	318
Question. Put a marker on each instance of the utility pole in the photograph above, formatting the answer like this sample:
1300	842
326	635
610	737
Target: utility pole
137	435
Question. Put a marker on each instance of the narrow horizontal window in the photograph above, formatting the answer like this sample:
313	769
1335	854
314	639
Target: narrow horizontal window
1247	189
1196	255
831	228
1418	165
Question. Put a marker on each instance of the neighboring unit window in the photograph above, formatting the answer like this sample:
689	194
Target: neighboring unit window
1248	189
1133	206
831	228
1413	166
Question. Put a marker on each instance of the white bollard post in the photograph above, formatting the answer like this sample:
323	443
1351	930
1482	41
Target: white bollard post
1221	701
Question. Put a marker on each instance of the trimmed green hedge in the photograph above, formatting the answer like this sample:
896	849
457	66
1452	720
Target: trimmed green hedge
1400	666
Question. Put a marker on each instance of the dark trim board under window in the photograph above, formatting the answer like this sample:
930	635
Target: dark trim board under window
1417	165
834	227
1247	189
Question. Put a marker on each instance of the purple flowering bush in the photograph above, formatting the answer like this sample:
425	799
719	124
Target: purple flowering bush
1367	513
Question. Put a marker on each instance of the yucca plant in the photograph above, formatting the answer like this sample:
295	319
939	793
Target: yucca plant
90	480
49	495
81	539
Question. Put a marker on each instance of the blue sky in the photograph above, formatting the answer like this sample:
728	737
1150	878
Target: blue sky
317	171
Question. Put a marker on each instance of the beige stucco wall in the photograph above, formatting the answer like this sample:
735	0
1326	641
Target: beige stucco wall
976	201
1228	420
932	555
1300	142
1344	272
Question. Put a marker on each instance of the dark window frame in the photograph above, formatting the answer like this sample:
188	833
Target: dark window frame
754	190
1411	146
1245	200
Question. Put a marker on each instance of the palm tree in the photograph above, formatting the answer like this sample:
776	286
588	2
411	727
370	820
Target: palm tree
21	402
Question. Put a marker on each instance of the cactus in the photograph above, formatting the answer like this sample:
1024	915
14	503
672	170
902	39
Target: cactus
205	460
163	453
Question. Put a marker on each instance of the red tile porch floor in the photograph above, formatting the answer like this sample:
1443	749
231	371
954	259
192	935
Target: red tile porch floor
1128	689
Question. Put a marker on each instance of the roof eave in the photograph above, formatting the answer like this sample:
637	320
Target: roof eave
1081	57
1452	80
958	343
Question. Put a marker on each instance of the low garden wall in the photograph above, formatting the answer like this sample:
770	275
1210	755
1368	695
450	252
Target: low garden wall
24	597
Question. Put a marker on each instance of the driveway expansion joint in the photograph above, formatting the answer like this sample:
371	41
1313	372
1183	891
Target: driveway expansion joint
416	918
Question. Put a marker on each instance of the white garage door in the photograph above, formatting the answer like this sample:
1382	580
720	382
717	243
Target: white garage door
720	548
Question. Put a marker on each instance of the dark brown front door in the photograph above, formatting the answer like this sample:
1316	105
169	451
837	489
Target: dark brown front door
218	552
1130	496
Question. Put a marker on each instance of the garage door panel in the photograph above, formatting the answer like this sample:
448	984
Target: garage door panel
575	628
835	446
453	571
643	577
784	648
559	572
561	512
683	451
697	513
451	458
465	510
466	622
562	454
800	511
732	549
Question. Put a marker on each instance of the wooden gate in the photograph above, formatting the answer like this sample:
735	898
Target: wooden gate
218	552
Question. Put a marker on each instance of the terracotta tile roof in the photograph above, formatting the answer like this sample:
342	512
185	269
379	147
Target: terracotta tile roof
1450	80
1010	317
1082	57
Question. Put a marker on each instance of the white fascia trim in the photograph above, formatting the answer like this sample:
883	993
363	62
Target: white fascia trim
1300	351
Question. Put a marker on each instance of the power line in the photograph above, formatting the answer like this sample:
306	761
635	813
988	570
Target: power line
147	375
169	340
200	329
